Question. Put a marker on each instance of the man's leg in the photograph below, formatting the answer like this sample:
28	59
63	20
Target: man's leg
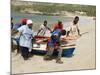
18	46
13	45
24	52
49	53
59	55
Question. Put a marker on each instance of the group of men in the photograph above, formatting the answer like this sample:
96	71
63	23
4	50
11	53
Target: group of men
26	37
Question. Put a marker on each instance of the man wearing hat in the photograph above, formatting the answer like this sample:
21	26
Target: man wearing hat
23	21
26	35
16	37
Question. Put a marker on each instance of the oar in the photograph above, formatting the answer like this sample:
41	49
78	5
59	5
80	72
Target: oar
84	33
68	45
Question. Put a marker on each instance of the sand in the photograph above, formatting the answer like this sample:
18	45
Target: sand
84	57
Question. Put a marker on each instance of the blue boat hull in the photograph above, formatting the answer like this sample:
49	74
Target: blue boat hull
66	52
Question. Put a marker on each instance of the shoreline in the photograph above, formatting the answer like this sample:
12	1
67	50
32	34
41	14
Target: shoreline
68	14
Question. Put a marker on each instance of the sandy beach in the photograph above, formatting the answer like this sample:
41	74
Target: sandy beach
84	56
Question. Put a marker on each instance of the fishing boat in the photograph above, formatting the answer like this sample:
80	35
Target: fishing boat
41	48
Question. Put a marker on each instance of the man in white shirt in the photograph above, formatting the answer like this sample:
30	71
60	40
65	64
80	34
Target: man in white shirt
43	29
74	29
16	37
26	36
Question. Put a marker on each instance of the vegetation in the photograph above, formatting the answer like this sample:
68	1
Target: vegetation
54	7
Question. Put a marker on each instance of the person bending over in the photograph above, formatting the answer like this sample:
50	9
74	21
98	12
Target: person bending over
55	43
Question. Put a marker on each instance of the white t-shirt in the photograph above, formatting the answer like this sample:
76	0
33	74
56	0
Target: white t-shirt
73	29
25	36
43	30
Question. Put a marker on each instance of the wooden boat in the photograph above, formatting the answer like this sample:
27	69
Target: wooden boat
41	48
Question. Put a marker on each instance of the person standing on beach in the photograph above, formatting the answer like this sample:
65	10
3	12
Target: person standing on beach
22	22
74	29
55	43
26	36
43	29
17	37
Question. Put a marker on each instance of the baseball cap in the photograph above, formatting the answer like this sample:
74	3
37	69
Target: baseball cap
29	22
24	20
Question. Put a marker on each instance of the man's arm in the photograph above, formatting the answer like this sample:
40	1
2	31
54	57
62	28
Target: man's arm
39	31
13	32
54	27
78	31
19	30
49	29
68	32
